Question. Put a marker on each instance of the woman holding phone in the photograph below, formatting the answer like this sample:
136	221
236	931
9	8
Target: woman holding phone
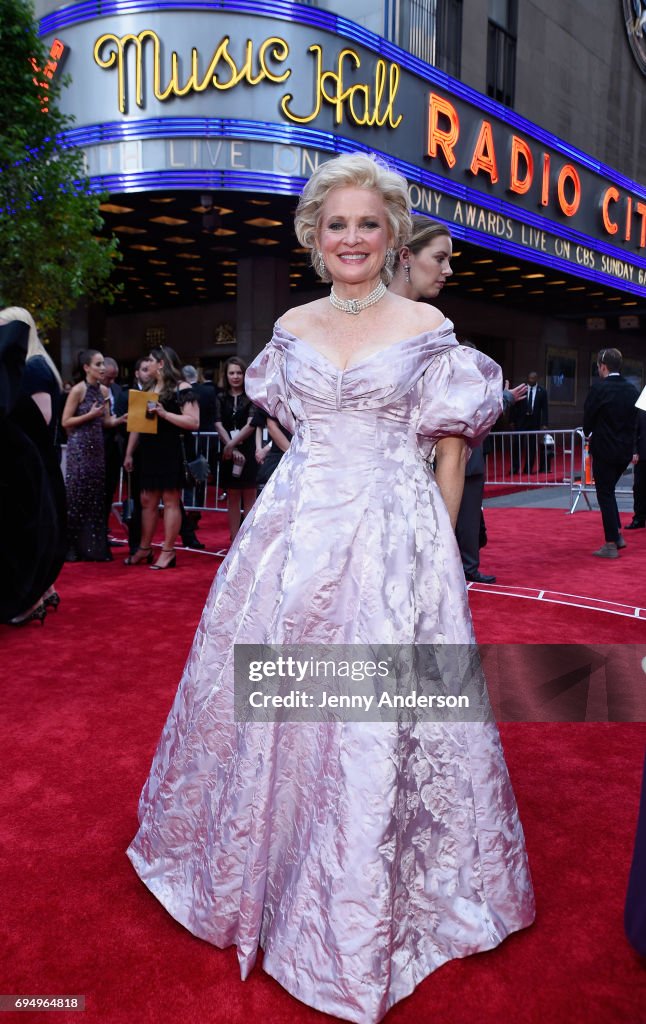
86	412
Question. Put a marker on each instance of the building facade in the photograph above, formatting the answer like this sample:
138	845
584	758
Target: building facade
515	122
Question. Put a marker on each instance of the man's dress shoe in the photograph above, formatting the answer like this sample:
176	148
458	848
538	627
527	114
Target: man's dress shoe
479	577
608	550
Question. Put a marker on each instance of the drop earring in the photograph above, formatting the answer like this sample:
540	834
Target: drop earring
319	264
407	272
389	261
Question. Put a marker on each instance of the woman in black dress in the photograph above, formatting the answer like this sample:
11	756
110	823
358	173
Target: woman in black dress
38	413
161	456
233	416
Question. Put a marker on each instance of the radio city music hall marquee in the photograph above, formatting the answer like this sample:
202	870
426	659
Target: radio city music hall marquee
499	180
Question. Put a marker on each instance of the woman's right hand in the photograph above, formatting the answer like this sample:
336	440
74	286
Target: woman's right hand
127	463
97	410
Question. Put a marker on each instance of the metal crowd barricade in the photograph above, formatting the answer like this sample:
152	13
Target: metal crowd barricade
544	458
201	497
205	497
530	459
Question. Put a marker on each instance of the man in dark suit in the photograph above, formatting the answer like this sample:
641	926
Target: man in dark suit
609	417
639	481
529	414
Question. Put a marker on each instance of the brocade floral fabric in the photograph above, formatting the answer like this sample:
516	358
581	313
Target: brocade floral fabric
360	856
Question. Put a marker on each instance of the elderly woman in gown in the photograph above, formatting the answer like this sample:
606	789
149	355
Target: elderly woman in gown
359	855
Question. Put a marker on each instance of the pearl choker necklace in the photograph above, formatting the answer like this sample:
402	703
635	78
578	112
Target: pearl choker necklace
356	305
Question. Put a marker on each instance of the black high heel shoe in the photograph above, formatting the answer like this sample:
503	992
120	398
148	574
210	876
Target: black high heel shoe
52	601
171	563
39	613
134	560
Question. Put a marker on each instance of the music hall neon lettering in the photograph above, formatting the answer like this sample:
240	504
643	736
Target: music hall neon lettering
362	103
222	73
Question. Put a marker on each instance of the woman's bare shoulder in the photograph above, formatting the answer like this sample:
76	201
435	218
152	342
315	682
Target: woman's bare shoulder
300	318
417	317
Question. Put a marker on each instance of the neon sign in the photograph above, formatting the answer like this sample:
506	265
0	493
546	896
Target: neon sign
443	138
55	60
363	103
343	90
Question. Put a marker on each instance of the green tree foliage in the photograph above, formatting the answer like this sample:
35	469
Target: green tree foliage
50	253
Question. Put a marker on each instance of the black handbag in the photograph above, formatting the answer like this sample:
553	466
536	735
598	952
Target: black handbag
197	470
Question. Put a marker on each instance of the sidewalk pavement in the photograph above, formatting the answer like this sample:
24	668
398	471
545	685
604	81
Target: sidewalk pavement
559	497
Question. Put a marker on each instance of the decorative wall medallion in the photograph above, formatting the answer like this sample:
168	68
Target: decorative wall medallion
635	18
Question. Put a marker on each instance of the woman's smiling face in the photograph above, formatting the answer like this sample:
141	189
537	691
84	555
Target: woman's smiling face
354	234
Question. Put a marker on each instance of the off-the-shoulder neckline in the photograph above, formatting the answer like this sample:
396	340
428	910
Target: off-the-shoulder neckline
373	355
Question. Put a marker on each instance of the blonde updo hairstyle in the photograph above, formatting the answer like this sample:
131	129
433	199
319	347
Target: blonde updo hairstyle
353	170
35	346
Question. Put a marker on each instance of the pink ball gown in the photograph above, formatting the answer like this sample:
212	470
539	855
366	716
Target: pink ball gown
360	856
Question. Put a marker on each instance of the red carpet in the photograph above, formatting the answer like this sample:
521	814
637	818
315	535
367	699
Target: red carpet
85	698
533	550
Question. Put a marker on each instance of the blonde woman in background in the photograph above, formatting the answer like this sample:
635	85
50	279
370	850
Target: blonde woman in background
39	412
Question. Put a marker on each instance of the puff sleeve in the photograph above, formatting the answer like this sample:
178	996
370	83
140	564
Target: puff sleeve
266	385
461	395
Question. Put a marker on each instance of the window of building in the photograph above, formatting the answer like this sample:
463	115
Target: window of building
429	29
449	37
501	50
155	336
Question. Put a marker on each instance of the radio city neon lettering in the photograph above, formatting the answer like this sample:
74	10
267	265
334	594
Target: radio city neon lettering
617	214
363	103
621	215
443	138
